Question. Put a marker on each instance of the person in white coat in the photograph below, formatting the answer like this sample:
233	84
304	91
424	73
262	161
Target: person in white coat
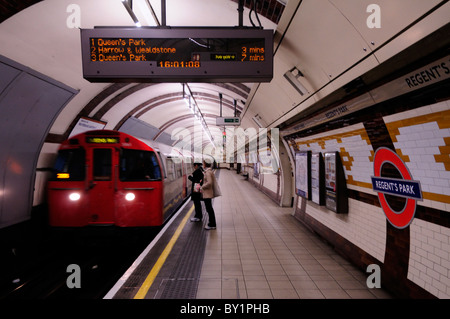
208	187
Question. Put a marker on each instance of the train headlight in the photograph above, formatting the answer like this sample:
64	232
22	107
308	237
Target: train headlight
130	196
74	197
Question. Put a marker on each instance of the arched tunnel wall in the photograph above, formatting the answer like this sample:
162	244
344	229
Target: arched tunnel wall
30	102
415	260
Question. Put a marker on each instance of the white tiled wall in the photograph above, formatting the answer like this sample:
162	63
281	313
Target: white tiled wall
364	225
421	143
429	259
270	182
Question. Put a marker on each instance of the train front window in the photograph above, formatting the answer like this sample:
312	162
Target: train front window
102	164
138	165
70	165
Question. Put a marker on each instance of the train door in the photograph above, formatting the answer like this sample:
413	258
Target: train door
140	189
101	186
184	176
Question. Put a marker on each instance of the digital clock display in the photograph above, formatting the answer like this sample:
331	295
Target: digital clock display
179	64
155	54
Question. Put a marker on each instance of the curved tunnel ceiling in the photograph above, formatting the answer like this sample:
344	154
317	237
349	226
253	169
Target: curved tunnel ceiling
161	106
330	52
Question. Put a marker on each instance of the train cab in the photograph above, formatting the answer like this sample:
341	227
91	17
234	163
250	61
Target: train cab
106	178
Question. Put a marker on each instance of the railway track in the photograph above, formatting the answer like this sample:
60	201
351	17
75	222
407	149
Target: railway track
39	270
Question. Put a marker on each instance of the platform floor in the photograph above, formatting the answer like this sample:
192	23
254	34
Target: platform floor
259	250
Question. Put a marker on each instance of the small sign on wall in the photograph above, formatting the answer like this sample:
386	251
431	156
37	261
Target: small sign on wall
85	124
317	179
303	174
336	198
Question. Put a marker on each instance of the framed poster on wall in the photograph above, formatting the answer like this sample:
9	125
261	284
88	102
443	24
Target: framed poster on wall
303	174
335	184
85	124
317	179
330	181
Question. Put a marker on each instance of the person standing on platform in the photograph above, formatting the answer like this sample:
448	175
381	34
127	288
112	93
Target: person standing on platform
196	195
210	189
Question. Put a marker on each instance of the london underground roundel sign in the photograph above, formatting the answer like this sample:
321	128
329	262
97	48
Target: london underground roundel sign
405	187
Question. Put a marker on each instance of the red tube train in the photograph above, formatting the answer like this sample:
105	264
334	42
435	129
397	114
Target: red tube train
112	178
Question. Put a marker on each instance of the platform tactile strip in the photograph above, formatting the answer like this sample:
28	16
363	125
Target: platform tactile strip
183	281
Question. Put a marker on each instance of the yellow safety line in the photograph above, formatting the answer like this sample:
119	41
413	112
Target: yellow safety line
162	258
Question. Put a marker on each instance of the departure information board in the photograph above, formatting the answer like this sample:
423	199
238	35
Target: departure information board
177	54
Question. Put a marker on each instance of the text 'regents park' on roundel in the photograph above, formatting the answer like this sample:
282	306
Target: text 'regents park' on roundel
405	188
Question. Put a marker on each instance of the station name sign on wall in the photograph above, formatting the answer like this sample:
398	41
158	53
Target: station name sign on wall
405	187
177	54
397	187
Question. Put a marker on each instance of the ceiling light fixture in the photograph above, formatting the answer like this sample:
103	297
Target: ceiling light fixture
257	119
293	76
131	13
152	11
191	104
